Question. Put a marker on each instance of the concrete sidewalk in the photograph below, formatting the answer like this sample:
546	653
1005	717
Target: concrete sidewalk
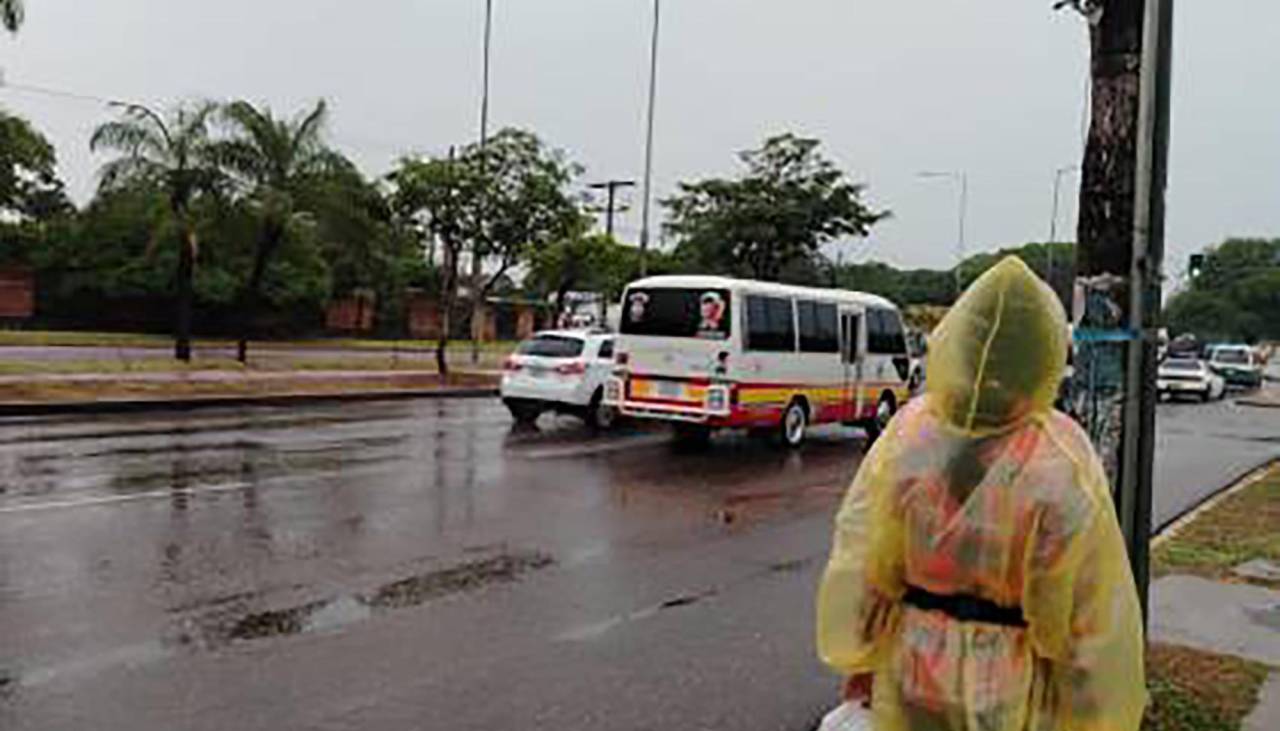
1223	618
1228	609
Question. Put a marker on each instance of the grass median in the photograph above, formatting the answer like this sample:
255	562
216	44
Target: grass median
1199	691
1241	527
459	349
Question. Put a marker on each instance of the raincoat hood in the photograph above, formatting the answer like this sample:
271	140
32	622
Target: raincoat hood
999	355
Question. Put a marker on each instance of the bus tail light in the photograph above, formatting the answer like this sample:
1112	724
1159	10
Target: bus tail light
722	363
622	358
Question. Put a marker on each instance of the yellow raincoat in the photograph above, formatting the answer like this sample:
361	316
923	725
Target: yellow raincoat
980	489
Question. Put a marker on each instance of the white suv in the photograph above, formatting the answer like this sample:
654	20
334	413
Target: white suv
560	370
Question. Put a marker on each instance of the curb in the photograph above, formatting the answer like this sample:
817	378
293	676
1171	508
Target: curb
1258	403
129	406
1171	527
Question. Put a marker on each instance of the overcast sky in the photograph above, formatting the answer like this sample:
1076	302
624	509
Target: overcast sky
892	87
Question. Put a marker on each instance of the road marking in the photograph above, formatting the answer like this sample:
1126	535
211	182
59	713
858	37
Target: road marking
116	499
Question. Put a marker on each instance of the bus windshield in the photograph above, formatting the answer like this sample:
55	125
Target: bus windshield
677	313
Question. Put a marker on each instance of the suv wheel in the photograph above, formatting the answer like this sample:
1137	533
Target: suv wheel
600	415
524	412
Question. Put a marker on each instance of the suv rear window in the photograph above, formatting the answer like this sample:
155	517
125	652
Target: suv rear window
1230	355
552	346
678	313
1181	365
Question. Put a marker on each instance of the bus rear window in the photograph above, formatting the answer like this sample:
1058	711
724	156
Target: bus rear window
677	313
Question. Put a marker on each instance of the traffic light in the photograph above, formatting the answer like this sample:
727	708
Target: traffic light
1195	266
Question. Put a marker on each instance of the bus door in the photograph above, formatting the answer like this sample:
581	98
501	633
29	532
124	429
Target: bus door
851	350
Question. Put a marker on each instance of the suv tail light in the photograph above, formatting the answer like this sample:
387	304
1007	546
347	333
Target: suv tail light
575	368
510	364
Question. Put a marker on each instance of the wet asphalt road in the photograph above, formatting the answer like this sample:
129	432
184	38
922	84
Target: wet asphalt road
409	565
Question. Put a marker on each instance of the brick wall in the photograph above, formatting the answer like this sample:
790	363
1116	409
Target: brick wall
17	294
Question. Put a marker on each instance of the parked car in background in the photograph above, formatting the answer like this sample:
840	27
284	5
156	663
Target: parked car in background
1189	377
562	371
1240	365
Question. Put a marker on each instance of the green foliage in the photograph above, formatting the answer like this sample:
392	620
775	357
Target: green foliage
1038	256
29	184
912	286
582	262
12	13
1235	296
771	222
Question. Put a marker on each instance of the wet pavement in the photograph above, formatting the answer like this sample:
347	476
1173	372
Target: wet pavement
421	564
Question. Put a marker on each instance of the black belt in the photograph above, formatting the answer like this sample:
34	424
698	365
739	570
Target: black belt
965	607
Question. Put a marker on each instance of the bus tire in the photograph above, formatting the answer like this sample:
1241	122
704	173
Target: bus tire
795	423
885	409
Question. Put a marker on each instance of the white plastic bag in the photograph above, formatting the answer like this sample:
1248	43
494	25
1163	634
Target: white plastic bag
847	717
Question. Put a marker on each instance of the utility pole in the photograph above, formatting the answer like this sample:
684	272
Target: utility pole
611	188
1120	252
1053	220
648	139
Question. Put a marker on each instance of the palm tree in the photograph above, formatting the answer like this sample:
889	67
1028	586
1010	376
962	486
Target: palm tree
173	156
276	161
12	13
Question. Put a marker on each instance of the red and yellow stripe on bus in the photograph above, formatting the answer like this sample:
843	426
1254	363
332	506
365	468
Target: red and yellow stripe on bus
762	404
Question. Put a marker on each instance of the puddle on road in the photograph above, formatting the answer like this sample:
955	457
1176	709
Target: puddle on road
220	628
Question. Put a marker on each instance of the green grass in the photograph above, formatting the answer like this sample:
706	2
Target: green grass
1243	527
1199	691
39	338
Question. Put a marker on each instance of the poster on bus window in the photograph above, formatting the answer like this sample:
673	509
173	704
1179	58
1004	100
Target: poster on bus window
677	312
712	308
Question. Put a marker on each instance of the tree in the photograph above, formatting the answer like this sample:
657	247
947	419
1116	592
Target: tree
498	203
172	155
436	197
29	184
12	13
591	262
524	206
1236	295
788	204
274	160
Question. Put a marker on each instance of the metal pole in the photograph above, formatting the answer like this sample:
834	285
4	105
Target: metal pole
484	98
648	144
1138	445
964	213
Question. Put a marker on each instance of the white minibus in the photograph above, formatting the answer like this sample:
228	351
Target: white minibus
713	352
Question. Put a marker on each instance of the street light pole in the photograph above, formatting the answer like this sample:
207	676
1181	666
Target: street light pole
1053	222
477	259
484	97
962	178
648	143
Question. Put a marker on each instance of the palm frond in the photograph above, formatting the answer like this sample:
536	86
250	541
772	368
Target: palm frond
125	171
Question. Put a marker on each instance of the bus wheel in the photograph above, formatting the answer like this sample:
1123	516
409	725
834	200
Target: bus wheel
795	422
885	410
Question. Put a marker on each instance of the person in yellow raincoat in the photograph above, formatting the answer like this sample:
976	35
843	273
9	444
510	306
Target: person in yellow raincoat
977	572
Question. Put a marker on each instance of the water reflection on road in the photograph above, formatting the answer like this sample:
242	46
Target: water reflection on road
184	532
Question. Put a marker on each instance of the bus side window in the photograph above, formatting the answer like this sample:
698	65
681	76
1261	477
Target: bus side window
771	324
